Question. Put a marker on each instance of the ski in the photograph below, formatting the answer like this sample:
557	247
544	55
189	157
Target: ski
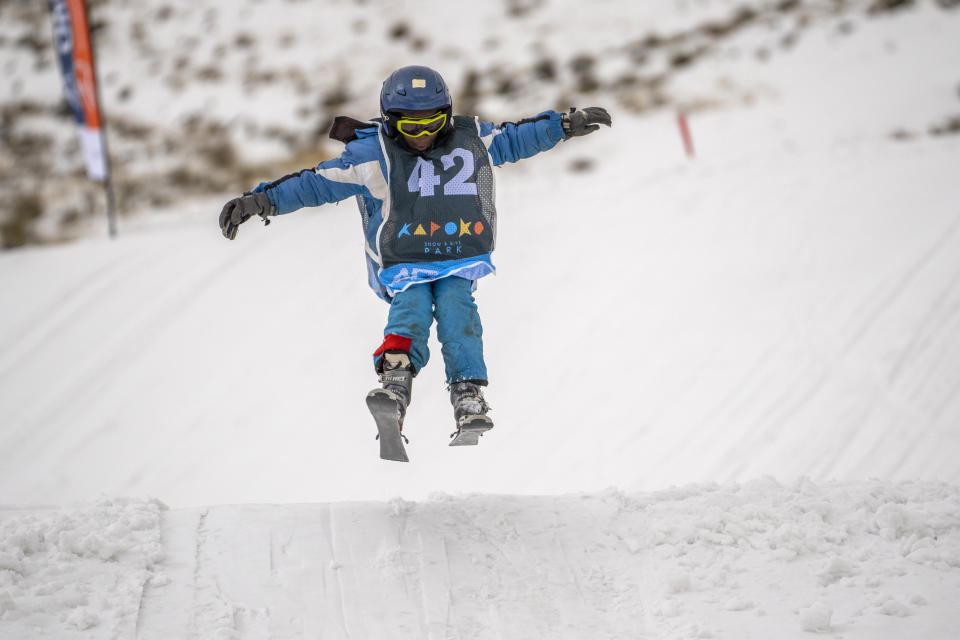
470	430
385	409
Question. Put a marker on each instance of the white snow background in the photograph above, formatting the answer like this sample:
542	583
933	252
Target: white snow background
725	389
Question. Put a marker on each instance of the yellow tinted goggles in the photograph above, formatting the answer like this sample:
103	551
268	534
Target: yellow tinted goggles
416	127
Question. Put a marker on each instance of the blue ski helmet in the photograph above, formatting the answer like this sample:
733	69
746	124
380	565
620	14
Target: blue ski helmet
414	88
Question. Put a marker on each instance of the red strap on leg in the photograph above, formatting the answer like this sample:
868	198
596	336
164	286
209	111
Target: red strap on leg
394	343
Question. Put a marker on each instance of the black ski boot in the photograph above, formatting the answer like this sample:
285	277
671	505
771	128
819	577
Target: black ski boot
388	405
470	412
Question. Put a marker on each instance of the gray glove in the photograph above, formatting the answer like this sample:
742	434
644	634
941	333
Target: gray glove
241	209
580	123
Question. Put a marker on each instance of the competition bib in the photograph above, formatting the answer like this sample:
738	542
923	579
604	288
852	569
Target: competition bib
441	202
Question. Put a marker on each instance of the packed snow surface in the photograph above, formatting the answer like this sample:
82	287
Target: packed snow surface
759	350
759	560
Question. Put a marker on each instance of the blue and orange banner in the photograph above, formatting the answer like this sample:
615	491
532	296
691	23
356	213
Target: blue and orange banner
71	34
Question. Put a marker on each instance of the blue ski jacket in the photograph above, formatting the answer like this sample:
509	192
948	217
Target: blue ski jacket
361	171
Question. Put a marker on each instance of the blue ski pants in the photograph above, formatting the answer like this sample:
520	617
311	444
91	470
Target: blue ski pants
449	301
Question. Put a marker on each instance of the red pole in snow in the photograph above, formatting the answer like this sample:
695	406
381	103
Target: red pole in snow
685	133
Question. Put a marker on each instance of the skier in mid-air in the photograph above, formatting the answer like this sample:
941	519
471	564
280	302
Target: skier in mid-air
423	179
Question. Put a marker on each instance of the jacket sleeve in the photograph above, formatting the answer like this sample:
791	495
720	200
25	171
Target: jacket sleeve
513	141
331	181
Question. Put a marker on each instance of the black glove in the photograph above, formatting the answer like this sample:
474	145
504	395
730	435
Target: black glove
580	123
241	209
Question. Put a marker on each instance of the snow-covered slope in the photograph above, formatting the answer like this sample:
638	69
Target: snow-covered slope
654	322
779	317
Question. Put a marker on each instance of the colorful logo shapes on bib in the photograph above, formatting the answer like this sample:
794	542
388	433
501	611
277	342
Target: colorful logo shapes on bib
451	229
